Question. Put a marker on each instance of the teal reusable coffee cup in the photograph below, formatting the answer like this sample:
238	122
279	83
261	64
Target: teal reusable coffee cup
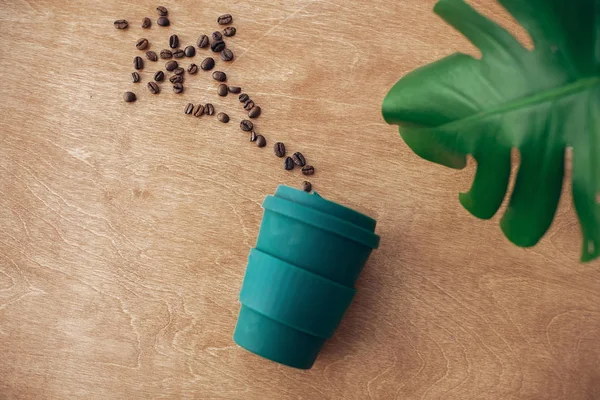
300	278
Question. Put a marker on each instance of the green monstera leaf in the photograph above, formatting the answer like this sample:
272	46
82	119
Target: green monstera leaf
539	101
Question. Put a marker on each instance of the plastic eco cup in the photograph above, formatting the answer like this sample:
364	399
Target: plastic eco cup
300	278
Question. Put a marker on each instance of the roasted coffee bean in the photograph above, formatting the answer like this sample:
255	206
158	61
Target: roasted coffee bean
243	98
226	55
138	63
217	35
171	65
222	117
222	90
261	141
219	76
166	54
151	55
129	97
178	71
253	136
135	77
279	149
192	69
308	170
141	44
225	19
178	88
217	46
209	109
163	21
122	24
255	112
190	51
229	31
235	89
248	105
208	64
159	76
188	109
162	11
203	41
299	159
178	53
306	186
153	87
176	79
146	23
246	125
174	41
199	110
288	164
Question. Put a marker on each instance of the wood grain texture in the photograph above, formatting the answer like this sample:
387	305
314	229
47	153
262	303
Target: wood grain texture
124	228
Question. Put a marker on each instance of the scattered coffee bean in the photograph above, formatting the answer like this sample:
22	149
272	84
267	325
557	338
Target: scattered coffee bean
299	159
222	90
219	76
288	164
222	117
138	63
121	24
235	89
192	69
279	149
243	98
189	109
229	31
217	46
178	88
248	105
306	186
163	21
202	41
176	79
174	41
253	136
225	19
153	87
166	54
159	76
209	109
178	71
255	112
190	51
171	65
217	36
226	55
178	53
208	64
135	77
151	55
246	125
129	97
162	11
199	110
308	170
261	141
146	23
141	44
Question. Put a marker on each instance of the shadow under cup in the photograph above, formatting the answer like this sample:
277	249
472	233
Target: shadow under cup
300	278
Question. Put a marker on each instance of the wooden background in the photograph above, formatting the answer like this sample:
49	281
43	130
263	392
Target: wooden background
124	228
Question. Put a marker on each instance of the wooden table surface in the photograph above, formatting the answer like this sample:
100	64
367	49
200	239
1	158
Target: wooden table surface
124	228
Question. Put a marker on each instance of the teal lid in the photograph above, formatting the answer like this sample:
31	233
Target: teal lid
316	202
324	214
